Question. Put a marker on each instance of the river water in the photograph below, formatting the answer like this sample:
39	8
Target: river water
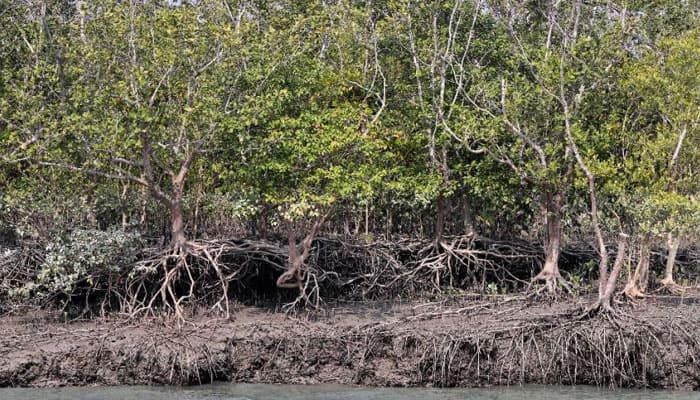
326	392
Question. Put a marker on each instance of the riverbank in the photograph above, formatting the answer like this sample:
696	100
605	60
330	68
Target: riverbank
462	341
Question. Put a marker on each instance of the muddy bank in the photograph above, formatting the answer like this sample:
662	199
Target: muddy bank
456	342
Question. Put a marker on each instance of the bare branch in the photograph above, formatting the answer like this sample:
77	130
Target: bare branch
160	83
94	172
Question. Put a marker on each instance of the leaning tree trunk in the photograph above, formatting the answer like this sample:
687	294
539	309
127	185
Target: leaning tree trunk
637	284
607	287
550	271
606	283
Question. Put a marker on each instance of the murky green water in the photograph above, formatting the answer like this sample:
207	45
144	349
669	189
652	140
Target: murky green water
325	392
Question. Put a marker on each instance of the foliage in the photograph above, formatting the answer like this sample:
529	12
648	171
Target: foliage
182	117
87	259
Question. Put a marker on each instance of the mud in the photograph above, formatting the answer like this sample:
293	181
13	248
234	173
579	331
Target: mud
462	341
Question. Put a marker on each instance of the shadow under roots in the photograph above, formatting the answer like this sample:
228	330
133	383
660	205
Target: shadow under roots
208	274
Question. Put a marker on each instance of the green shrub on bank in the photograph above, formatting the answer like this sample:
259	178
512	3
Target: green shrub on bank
84	259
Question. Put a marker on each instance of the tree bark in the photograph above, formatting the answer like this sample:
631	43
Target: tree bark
673	243
295	274
440	215
637	284
197	202
367	221
262	224
123	206
177	221
388	223
605	296
144	204
552	247
346	225
553	243
292	278
467	217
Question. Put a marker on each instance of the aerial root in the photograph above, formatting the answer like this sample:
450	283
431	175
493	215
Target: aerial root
632	292
599	309
553	281
205	271
413	266
668	285
545	349
613	350
195	272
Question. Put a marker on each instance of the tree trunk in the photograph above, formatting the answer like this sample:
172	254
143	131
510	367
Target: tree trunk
144	205
550	272
262	223
388	224
637	284
673	243
197	202
123	206
467	217
608	287
643	271
293	277
440	215
177	216
346	225
295	274
177	223
367	221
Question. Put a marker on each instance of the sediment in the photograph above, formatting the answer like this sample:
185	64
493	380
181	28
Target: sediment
461	341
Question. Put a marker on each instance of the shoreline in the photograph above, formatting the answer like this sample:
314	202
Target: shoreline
457	342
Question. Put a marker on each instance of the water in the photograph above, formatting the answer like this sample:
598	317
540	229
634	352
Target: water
326	392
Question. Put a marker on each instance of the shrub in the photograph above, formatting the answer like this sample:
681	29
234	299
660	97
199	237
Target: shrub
84	261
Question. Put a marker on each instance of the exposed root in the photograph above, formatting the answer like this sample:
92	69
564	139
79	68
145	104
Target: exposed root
501	341
195	272
409	267
553	281
668	285
17	267
213	273
600	308
632	292
637	282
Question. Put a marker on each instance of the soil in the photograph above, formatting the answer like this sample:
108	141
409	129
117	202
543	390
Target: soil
458	341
